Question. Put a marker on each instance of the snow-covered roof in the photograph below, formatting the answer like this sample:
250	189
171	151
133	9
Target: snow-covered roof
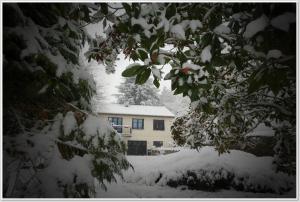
135	110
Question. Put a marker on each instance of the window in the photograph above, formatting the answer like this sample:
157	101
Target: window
158	125
157	143
117	123
137	123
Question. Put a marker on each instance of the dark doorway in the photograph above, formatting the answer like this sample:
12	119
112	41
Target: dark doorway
137	147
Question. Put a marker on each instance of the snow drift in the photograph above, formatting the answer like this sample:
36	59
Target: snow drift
206	170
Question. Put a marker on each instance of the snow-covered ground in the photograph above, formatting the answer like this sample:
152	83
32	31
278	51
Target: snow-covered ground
133	190
152	174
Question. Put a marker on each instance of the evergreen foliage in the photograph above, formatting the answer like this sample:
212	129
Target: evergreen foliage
47	150
230	59
131	93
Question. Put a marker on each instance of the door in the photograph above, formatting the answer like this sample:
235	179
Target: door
137	147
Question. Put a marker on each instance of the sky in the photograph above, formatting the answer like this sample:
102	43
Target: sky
109	82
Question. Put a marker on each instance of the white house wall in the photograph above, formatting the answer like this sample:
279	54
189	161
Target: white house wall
147	134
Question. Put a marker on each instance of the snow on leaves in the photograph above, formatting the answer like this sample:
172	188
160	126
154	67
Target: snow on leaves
178	32
218	53
222	29
274	54
206	54
58	159
69	123
195	24
256	26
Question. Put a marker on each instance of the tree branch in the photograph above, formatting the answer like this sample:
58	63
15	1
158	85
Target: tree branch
18	120
277	107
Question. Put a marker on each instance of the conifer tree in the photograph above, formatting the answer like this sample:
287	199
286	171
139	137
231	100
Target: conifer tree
175	103
134	94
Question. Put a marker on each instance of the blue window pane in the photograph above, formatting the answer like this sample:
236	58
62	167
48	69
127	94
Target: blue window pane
137	123
116	123
158	125
140	124
118	128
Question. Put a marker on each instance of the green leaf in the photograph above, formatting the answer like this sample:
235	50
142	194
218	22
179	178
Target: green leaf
239	63
216	45
168	76
184	94
136	28
171	10
143	54
161	40
134	56
132	71
86	12
122	28
275	80
104	23
156	83
182	89
104	8
145	43
254	84
215	20
130	42
143	77
194	96
206	39
209	68
218	61
167	59
174	85
178	91
136	9
127	8
181	57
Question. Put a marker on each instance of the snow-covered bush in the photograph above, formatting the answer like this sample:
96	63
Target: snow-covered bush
206	170
96	138
63	158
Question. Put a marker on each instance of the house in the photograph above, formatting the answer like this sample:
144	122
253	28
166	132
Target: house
142	127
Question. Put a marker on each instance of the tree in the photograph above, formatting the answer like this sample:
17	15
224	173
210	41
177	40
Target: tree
131	93
229	59
98	98
175	103
54	146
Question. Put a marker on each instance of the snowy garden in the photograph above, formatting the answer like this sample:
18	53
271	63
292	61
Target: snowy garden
202	174
215	81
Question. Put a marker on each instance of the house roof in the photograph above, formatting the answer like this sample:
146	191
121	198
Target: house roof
135	110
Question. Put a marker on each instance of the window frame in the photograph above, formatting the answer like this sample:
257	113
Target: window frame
161	143
111	118
158	128
137	124
119	129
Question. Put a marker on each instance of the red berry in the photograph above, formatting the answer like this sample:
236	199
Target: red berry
185	70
